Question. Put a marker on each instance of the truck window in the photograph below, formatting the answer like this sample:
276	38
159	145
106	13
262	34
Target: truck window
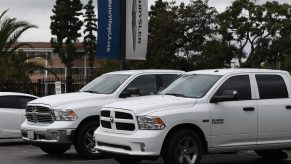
105	84
241	84
145	83
271	87
191	86
164	80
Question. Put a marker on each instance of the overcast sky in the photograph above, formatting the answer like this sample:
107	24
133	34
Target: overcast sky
38	12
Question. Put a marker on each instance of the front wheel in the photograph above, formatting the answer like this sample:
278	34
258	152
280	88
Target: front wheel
184	147
85	142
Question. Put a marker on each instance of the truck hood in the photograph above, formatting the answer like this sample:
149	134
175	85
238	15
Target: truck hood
149	104
63	100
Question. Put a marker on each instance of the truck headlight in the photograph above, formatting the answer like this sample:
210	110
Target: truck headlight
65	115
150	123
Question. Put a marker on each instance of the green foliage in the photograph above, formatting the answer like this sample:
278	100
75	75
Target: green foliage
185	37
192	36
196	25
215	54
90	41
261	27
10	31
13	62
65	25
15	67
163	34
107	66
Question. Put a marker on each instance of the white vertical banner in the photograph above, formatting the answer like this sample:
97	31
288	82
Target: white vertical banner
136	29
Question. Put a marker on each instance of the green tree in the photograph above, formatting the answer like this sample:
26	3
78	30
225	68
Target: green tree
65	25
107	66
185	37
215	54
200	41
256	26
164	39
16	67
277	52
14	63
90	40
10	31
197	23
163	36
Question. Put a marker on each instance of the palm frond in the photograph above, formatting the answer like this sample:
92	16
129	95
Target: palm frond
14	64
16	46
3	13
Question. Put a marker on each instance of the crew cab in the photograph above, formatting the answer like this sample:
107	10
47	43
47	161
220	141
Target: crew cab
54	123
204	111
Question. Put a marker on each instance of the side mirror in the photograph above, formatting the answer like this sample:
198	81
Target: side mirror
130	92
227	95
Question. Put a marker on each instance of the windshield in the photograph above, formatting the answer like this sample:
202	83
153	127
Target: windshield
105	84
192	86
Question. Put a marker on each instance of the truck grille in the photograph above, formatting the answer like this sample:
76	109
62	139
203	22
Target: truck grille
117	120
39	114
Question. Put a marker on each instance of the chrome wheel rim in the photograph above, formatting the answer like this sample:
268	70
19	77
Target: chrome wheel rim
187	152
89	140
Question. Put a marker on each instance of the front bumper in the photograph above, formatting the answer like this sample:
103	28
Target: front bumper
142	143
60	133
57	136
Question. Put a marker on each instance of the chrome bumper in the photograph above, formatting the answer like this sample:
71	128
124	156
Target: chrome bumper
64	136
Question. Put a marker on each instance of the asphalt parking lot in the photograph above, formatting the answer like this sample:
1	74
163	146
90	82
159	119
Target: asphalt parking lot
16	152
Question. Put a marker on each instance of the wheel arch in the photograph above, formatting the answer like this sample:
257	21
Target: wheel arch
193	127
95	118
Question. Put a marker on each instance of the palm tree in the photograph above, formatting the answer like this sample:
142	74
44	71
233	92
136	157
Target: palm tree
17	66
13	63
10	31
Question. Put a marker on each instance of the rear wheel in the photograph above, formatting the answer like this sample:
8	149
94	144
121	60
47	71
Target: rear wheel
272	154
55	151
85	142
127	160
183	148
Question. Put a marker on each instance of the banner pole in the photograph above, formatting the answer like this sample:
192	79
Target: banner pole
123	35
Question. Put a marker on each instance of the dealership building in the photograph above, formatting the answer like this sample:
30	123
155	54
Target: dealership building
51	60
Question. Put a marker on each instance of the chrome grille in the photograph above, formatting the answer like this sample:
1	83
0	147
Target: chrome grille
39	114
116	120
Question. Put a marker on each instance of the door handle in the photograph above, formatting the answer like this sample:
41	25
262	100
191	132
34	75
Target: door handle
248	109
288	107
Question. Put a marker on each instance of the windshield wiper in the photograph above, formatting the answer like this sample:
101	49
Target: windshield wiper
96	92
176	94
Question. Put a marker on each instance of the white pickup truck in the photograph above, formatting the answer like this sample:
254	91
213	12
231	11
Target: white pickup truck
207	111
54	123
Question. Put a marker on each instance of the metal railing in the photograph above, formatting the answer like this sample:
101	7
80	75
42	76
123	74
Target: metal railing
43	87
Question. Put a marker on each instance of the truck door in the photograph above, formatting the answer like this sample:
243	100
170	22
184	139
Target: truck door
234	123
274	108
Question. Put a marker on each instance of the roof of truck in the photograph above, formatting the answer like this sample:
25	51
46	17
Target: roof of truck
131	72
235	70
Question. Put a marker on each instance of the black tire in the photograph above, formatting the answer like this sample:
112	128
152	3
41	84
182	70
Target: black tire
272	154
85	142
127	160
55	151
181	146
